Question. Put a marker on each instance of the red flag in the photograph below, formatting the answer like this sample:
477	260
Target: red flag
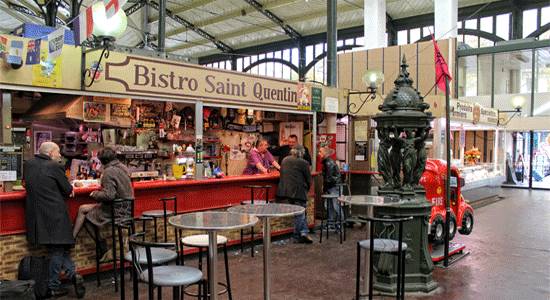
84	26
112	7
441	68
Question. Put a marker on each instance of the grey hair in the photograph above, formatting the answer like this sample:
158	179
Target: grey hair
47	147
298	151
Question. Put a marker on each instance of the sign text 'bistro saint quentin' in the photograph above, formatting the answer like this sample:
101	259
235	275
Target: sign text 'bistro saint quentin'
165	78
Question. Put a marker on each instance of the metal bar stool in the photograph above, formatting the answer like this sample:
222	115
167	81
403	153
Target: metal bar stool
174	276
382	245
119	209
326	220
161	213
253	201
201	242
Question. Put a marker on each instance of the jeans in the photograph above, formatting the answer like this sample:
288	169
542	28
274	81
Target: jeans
59	259
332	206
300	221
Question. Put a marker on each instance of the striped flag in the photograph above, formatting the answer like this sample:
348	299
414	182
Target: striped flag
112	7
84	26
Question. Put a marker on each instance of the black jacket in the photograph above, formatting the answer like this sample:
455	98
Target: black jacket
46	215
331	174
295	179
284	151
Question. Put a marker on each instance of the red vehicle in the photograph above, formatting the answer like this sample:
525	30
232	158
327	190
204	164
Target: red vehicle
462	214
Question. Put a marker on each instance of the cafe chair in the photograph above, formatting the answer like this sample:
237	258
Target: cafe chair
175	276
121	210
253	189
326	221
383	245
161	213
200	241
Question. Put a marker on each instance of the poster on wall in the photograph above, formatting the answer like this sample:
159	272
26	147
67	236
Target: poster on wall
47	73
291	128
41	137
304	97
120	114
33	52
326	140
95	112
3	46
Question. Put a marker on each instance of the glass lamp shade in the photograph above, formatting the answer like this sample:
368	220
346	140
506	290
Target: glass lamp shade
518	102
113	27
373	78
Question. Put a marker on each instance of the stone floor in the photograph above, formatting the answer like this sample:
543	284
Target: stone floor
510	259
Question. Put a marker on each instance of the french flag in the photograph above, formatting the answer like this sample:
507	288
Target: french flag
84	26
112	7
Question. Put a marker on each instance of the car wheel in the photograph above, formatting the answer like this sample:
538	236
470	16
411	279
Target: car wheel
467	223
452	226
436	235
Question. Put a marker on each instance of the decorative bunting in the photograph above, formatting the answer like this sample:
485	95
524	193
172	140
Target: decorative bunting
84	26
15	55
112	7
33	52
55	43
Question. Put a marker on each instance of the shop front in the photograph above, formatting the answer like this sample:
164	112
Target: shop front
181	130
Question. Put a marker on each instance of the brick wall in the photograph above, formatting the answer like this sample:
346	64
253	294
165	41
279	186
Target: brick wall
14	247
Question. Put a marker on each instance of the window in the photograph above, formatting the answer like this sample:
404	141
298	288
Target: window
426	31
402	37
529	21
467	76
545	15
471	40
278	70
542	83
503	26
360	41
350	42
309	54
239	64
295	57
415	35
513	77
471	24
486	24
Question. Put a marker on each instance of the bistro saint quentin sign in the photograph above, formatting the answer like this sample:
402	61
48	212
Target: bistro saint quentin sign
144	76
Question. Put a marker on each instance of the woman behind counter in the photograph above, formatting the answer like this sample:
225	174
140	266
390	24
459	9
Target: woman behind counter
260	160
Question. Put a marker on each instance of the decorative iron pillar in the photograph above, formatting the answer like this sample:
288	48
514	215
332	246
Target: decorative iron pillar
403	126
161	42
331	42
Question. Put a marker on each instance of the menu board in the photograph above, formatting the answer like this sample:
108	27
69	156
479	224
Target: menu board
10	163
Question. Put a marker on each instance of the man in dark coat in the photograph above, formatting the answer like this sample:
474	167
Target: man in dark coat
284	151
331	179
294	184
46	215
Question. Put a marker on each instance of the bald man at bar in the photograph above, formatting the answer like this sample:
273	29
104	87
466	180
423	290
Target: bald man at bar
47	218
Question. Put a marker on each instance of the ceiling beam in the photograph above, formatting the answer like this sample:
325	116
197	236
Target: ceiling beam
184	8
134	8
291	32
207	36
231	15
343	8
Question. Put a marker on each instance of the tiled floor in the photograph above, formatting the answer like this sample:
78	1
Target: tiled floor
510	259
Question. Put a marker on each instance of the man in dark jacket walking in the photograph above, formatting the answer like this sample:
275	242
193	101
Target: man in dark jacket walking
331	179
46	215
294	184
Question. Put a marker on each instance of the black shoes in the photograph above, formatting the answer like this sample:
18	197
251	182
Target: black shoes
79	287
58	292
304	239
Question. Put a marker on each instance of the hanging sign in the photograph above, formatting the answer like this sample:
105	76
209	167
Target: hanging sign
462	111
316	99
48	72
3	46
304	97
331	105
488	116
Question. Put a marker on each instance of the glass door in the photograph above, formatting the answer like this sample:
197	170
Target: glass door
541	160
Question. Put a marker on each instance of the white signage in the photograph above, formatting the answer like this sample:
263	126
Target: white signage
331	105
8	175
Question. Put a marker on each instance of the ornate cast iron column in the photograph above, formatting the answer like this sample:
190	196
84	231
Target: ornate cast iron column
403	125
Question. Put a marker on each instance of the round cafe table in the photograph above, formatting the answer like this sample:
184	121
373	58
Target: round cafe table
212	222
265	212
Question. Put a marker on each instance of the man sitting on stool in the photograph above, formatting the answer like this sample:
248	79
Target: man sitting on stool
294	184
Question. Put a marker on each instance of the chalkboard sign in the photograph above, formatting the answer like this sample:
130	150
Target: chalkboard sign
10	161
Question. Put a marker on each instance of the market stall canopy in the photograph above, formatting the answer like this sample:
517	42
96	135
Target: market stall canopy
56	106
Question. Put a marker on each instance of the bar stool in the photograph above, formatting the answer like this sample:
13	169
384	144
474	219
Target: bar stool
200	241
253	201
345	209
161	213
382	245
174	276
326	220
121	209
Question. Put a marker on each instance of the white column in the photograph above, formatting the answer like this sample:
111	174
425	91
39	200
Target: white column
446	17
375	24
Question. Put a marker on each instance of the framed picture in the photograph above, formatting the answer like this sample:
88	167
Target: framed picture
41	137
